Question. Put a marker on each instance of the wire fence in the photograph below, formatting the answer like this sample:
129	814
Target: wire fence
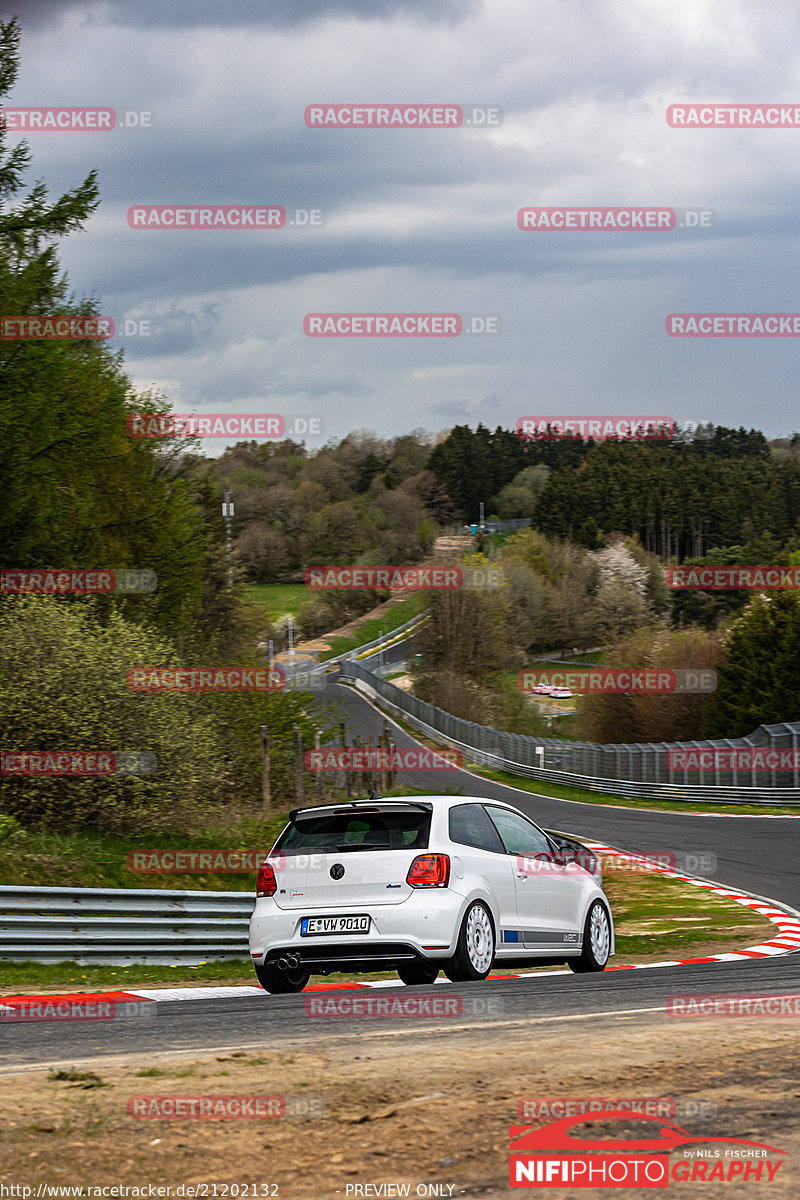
643	769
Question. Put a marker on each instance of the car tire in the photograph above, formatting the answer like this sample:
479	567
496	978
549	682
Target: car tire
418	972
281	982
596	940
475	948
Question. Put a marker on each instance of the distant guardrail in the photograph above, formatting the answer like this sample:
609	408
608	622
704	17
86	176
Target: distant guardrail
391	637
631	769
123	925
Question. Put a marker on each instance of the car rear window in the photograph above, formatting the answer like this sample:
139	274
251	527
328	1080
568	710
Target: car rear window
340	832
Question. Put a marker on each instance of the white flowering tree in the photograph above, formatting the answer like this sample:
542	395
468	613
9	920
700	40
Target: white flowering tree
620	600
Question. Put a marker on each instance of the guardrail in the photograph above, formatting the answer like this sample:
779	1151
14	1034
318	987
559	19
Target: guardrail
390	638
633	769
122	925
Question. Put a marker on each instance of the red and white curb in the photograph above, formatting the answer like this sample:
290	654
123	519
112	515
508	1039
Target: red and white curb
787	923
786	940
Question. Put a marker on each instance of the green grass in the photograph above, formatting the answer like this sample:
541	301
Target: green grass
277	598
588	656
73	977
46	859
369	630
564	792
664	917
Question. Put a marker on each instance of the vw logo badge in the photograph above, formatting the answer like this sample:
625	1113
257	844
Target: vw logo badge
337	871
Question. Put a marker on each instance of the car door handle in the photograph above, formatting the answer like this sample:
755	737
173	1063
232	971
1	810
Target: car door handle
522	874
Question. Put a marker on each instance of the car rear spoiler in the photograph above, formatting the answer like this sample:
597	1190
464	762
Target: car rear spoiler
374	804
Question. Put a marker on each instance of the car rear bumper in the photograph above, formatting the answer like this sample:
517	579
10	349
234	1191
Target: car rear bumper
425	926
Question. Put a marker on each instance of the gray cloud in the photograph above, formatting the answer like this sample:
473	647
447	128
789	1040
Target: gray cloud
176	14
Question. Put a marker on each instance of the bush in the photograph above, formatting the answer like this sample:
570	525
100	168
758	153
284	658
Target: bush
63	686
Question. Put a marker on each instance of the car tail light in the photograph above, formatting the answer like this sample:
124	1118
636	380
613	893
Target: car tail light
429	870
266	883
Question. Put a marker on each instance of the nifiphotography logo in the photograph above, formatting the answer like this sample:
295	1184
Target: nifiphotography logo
559	1155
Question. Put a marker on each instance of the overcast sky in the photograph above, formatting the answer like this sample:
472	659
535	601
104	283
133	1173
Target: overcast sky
426	220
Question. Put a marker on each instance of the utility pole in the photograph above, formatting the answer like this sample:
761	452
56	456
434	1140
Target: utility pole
227	513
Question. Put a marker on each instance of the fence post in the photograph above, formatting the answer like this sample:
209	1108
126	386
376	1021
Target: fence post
266	795
346	780
298	765
318	779
389	775
367	777
385	776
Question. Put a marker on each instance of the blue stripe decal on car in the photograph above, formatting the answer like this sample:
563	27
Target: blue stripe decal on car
511	935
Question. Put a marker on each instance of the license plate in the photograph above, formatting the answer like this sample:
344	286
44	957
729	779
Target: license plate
320	926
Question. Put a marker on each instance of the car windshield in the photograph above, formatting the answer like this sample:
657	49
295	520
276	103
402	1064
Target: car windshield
342	832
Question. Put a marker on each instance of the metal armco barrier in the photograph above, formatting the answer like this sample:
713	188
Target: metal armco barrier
631	769
407	629
123	925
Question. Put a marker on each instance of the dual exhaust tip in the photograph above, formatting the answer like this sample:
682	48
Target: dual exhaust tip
289	962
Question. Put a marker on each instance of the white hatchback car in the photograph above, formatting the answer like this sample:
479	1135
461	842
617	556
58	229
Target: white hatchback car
418	885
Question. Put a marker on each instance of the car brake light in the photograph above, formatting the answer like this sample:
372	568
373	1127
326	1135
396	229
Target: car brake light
429	870
266	883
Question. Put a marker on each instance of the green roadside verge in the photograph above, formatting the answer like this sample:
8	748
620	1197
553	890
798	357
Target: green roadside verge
656	919
276	599
562	792
369	630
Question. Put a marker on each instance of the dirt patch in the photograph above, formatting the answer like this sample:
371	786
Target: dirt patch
401	1106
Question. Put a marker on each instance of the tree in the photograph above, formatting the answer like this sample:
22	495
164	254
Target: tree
620	600
758	679
518	498
77	490
653	717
